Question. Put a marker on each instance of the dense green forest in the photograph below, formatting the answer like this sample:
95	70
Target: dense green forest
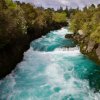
18	19
20	23
87	20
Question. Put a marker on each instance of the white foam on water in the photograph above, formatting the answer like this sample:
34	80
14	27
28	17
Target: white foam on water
56	72
68	51
62	31
52	71
56	79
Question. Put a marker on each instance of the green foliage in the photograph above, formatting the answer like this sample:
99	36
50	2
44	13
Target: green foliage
96	35
87	20
39	18
40	21
87	28
18	19
59	17
10	4
29	13
96	18
77	21
12	23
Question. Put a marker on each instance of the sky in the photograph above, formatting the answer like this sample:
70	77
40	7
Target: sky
63	3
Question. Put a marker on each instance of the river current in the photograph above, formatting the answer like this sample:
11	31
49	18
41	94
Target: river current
53	69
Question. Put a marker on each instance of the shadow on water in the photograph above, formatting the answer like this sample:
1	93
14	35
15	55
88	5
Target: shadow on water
86	69
93	75
91	72
94	78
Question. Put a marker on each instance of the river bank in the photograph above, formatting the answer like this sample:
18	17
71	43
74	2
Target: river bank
49	70
12	53
88	47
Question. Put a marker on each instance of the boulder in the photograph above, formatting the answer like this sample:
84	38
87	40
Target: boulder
80	32
69	36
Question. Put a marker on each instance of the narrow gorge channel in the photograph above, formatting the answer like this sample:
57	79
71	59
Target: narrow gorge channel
53	69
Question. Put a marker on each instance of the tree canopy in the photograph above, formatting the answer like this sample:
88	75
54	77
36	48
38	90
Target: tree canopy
17	19
87	20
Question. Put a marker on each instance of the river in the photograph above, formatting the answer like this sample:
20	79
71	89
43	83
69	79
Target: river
50	71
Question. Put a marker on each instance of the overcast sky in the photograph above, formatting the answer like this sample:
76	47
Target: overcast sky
57	3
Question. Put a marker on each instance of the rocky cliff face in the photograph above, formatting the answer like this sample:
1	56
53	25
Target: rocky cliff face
88	47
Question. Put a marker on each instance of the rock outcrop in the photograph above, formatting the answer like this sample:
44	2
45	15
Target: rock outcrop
87	46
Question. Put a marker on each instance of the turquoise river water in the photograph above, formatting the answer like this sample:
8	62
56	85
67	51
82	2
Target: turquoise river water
50	71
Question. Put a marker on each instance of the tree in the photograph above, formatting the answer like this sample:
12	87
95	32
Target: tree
87	20
67	12
59	17
92	7
12	23
77	21
3	4
87	28
85	8
98	5
96	35
60	9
